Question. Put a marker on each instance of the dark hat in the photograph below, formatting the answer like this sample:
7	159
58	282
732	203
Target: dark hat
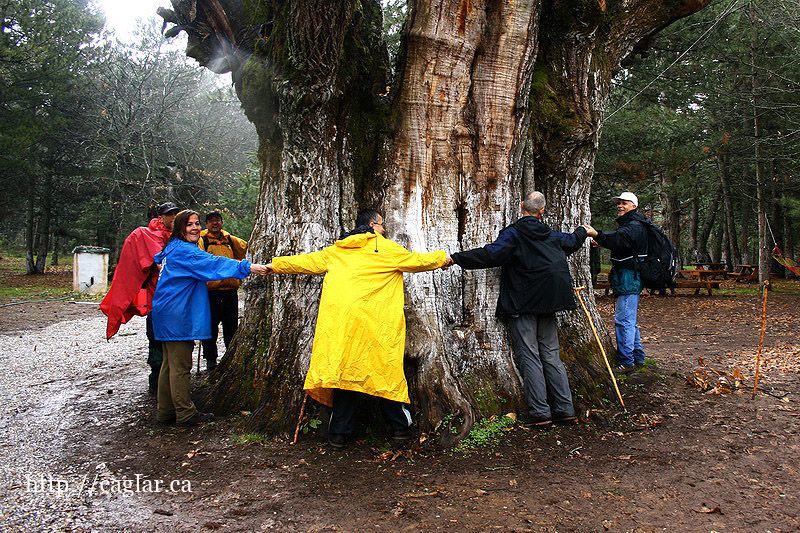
212	214
167	208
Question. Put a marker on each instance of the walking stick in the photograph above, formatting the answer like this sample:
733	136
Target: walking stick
199	355
299	419
761	337
600	344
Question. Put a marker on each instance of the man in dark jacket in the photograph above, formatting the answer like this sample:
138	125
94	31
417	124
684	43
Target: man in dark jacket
535	283
628	245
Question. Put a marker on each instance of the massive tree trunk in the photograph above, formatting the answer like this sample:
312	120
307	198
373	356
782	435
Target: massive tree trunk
492	99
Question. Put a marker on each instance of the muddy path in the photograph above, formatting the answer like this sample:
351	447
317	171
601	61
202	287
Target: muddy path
680	459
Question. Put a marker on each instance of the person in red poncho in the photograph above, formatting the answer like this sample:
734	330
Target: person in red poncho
135	277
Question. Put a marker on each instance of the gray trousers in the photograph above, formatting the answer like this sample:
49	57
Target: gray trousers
534	339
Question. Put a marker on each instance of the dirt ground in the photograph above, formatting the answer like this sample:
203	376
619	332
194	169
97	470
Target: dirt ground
680	459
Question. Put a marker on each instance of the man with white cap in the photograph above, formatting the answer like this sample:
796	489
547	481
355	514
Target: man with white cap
628	244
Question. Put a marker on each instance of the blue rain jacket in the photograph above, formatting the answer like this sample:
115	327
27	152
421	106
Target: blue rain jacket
181	311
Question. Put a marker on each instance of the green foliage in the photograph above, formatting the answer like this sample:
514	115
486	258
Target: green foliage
485	433
394	17
250	438
681	119
96	133
310	425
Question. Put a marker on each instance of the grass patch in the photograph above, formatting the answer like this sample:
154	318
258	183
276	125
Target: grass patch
250	438
485	433
20	294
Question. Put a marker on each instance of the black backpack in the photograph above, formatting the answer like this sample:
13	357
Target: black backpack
658	268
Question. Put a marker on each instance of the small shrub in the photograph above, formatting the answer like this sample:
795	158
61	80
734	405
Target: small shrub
485	433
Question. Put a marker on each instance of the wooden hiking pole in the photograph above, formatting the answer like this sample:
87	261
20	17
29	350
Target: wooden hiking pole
761	337
299	419
600	344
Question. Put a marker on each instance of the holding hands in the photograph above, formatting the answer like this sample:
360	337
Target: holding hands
590	231
261	270
448	262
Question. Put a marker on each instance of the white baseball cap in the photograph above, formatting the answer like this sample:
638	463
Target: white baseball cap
629	196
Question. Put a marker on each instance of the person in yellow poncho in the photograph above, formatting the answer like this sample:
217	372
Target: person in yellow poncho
360	337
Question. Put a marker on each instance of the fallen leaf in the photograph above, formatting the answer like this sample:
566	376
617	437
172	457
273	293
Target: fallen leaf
708	510
421	494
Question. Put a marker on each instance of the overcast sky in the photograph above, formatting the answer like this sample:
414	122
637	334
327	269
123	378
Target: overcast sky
124	16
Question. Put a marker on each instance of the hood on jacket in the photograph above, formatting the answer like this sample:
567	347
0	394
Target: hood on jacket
357	240
532	227
156	224
222	232
364	228
631	216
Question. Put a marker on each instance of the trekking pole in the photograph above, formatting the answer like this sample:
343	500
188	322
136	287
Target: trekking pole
600	344
299	419
761	337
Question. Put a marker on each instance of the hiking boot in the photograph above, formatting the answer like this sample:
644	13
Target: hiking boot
622	369
165	421
531	422
401	435
337	440
197	419
638	366
567	420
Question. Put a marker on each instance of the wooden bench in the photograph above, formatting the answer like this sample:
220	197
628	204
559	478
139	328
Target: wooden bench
709	285
697	285
604	285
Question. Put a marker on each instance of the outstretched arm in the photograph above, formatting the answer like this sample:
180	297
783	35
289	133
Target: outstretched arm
492	255
571	242
313	263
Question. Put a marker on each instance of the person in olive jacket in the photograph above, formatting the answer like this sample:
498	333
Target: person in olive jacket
535	283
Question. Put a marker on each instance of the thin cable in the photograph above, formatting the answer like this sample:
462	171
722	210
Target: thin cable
766	219
719	19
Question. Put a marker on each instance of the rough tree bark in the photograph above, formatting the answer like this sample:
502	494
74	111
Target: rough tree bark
492	99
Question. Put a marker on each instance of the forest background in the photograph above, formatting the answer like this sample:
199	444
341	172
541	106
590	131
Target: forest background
95	132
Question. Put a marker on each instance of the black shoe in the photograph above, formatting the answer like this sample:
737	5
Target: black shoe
197	419
531	422
622	369
337	440
566	420
401	435
211	365
165	422
638	366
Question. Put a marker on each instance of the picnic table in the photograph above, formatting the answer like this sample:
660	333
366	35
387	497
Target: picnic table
699	279
709	266
703	274
745	273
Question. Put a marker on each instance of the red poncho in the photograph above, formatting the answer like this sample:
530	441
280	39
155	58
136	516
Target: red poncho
134	282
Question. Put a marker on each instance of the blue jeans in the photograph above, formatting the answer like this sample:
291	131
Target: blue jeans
629	342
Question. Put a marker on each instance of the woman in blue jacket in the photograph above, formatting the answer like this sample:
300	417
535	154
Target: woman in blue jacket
181	313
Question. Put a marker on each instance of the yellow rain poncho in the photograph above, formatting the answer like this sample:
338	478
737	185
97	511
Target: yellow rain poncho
360	338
